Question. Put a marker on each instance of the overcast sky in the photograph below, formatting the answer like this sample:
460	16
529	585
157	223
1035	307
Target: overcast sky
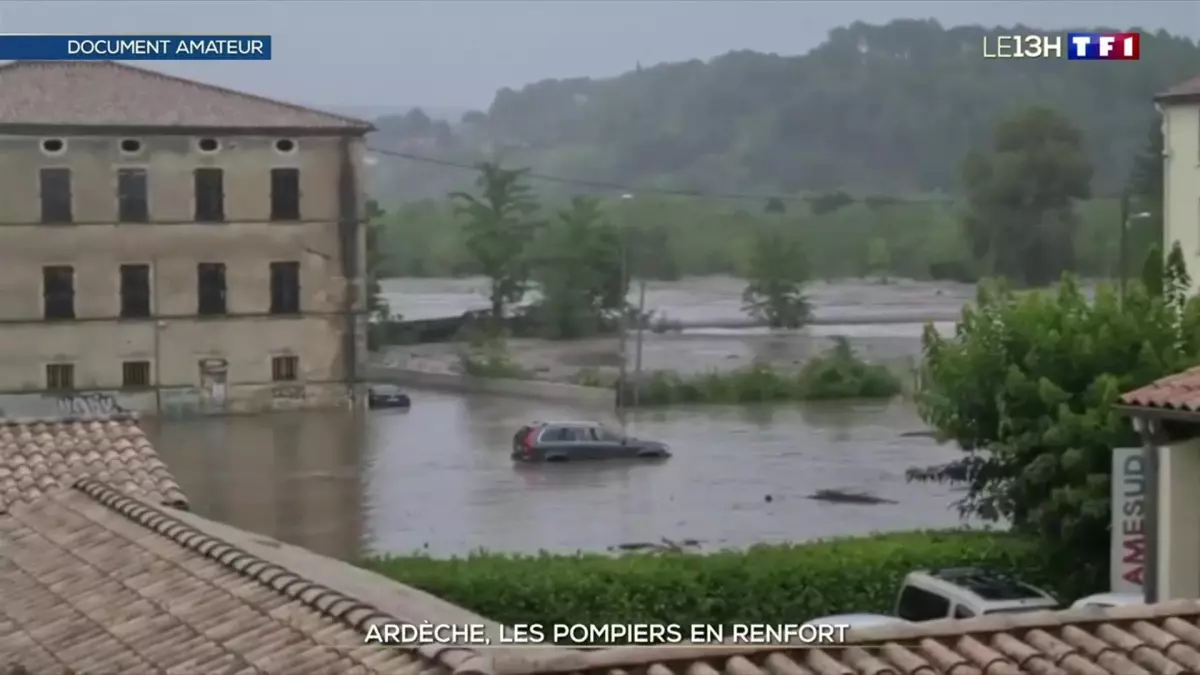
457	53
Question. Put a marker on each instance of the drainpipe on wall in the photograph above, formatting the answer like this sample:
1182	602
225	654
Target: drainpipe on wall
158	327
348	238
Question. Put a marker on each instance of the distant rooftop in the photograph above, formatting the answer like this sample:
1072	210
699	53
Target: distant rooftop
111	94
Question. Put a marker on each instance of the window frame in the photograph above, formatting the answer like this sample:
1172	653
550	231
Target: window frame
208	208
131	367
47	213
285	368
48	295
289	210
284	300
124	293
53	376
212	307
124	199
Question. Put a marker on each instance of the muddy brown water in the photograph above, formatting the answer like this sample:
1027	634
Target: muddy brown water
439	478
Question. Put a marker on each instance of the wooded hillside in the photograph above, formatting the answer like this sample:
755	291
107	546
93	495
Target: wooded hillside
887	109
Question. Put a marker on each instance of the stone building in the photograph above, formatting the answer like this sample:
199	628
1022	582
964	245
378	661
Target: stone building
167	245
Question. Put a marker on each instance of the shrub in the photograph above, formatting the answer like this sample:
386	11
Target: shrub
838	373
766	583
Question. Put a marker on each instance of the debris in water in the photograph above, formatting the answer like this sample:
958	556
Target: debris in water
848	497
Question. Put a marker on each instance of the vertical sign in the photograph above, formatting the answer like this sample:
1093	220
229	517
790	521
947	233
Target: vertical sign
1127	558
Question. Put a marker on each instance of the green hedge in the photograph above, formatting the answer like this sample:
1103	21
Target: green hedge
777	583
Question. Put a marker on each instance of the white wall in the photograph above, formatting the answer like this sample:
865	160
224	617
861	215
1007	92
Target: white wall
1179	521
1181	184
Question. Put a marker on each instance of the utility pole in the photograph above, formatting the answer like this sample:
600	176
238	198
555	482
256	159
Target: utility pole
1123	247
641	327
622	328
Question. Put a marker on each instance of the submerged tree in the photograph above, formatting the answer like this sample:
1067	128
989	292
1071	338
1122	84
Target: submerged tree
578	269
498	226
777	274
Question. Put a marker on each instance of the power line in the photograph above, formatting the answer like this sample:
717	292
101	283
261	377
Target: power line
605	185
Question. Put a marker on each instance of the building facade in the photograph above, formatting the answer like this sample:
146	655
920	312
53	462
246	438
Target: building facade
170	246
1180	107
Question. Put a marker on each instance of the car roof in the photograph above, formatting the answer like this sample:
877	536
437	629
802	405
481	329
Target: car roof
1111	599
987	590
857	620
565	423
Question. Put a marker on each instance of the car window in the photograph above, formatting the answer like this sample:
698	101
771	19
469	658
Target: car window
918	604
603	434
554	434
961	612
579	434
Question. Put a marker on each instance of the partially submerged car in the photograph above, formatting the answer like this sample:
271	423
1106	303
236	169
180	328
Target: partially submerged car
574	441
387	396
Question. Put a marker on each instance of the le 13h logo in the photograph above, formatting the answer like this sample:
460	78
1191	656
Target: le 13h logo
1103	46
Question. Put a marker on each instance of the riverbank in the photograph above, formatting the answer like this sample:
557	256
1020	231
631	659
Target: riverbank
684	354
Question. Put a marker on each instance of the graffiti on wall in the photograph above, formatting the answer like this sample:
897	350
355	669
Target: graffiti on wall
66	405
90	404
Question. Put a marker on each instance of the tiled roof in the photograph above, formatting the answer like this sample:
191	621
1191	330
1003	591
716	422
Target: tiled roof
1184	90
1161	639
99	582
37	456
1180	391
106	93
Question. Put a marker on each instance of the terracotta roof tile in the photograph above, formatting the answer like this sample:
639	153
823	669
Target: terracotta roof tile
39	456
99	582
106	93
1180	391
1183	90
1135	640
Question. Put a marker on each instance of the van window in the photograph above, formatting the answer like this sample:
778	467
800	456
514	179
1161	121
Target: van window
918	604
961	612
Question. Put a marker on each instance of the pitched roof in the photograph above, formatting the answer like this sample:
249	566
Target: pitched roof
37	456
1181	92
1178	392
1157	639
111	94
97	581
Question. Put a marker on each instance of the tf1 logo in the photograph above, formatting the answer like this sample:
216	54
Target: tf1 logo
1103	46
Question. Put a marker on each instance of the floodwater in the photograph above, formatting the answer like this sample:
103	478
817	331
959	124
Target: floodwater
439	478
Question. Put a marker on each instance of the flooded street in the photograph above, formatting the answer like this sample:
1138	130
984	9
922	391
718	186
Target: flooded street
438	477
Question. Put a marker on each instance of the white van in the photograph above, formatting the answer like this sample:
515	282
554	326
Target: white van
964	592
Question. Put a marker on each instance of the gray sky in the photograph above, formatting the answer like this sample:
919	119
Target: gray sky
457	53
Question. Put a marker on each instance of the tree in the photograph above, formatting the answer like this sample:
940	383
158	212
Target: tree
1026	387
498	225
578	271
1021	194
775	205
778	272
